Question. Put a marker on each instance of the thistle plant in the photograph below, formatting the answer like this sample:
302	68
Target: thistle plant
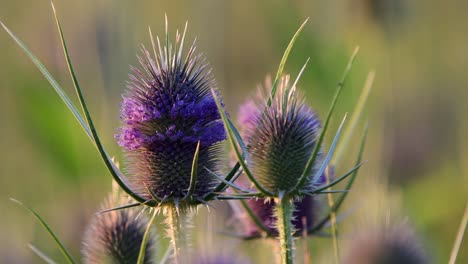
170	128
173	123
283	155
117	236
254	135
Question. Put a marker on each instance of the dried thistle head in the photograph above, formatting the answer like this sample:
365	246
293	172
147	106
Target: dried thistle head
385	245
167	110
280	139
116	236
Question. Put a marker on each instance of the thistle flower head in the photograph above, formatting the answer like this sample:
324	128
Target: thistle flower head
116	236
167	110
385	244
280	139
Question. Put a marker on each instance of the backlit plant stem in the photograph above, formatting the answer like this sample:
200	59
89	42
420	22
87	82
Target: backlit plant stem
178	231
284	213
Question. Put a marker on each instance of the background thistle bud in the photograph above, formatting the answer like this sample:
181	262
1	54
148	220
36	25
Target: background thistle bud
167	110
280	139
385	245
116	236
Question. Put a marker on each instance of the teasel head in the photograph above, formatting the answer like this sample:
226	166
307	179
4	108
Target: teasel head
385	245
280	139
116	236
170	122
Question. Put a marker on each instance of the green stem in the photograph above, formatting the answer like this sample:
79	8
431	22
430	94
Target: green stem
178	231
284	213
144	242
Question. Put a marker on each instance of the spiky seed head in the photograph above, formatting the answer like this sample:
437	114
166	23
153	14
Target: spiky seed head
385	245
116	236
280	139
166	111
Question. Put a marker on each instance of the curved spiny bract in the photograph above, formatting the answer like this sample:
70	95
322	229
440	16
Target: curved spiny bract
280	140
167	111
116	236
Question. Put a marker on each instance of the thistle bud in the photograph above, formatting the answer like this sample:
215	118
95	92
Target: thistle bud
116	236
167	111
382	245
280	139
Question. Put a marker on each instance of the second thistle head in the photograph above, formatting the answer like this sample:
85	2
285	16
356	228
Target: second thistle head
167	111
116	236
280	138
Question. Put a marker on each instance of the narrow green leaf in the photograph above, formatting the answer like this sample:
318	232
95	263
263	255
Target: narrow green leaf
459	239
335	182
115	172
230	184
193	176
348	186
141	255
311	161
354	172
49	231
330	152
232	140
222	186
254	218
119	208
349	131
51	80
234	197
41	255
279	73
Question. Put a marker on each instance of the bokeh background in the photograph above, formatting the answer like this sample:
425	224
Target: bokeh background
417	148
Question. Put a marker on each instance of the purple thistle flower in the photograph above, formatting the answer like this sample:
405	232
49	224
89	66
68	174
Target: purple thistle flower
116	236
167	110
280	139
297	123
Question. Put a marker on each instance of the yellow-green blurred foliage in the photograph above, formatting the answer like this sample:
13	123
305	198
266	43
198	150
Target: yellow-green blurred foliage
417	110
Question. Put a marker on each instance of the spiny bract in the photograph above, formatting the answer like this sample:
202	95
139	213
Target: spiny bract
280	139
167	111
116	236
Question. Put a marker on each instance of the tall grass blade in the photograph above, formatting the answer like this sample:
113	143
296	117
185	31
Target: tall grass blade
279	73
41	255
349	131
63	250
115	172
51	80
311	161
141	255
459	238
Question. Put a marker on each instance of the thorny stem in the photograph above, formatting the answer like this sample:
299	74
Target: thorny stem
178	231
284	212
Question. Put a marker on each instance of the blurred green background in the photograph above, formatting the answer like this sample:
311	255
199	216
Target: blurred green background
417	151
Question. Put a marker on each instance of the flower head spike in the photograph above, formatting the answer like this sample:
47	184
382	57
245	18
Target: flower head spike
280	138
116	236
169	114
